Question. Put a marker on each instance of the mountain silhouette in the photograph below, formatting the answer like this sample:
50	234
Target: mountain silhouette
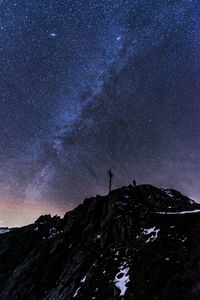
137	242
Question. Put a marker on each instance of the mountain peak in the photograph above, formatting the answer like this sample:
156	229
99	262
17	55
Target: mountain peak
136	242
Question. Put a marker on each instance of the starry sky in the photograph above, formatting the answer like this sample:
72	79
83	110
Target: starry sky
96	84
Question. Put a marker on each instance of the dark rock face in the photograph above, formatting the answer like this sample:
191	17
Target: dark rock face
136	243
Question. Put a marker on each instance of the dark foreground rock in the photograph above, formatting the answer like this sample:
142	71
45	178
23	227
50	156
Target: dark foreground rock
136	243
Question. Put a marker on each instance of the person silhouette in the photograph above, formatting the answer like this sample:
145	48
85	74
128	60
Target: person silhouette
134	182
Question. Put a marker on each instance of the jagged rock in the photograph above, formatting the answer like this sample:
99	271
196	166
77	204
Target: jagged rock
135	243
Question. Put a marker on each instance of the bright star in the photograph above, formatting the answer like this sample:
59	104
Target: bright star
53	34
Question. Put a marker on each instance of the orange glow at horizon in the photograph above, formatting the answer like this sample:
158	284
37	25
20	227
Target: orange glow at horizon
21	214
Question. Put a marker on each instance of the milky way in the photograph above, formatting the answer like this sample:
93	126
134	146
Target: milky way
90	85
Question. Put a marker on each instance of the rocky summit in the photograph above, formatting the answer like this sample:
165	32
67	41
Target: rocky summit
135	243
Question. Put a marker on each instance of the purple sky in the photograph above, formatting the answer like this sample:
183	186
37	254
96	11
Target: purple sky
90	85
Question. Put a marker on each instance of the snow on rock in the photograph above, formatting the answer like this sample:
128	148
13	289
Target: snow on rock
119	203
4	230
171	195
168	193
121	279
76	292
53	232
36	228
149	230
154	234
178	212
97	237
184	239
83	280
192	201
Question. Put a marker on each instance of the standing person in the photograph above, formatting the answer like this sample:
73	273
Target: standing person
134	182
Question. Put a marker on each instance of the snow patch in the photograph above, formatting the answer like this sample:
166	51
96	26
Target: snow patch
184	240
178	212
121	279
97	237
76	292
4	230
53	232
36	228
119	203
154	234
83	280
168	193
149	230
191	201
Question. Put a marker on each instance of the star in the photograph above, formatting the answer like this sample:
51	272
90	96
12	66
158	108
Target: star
90	85
53	34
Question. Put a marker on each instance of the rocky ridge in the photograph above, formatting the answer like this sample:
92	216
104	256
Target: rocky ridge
135	243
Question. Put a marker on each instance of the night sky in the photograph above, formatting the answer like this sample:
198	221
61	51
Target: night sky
90	85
